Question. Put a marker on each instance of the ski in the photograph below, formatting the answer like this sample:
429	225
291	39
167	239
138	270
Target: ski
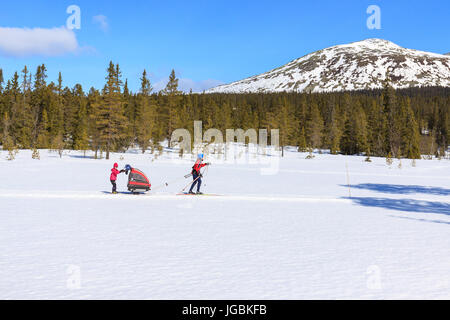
123	192
203	194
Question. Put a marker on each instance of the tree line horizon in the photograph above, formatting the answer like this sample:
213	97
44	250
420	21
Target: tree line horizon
402	123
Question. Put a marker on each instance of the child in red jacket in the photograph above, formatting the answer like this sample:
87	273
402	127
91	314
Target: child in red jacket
113	177
196	175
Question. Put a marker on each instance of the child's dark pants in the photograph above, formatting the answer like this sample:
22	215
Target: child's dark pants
114	188
197	182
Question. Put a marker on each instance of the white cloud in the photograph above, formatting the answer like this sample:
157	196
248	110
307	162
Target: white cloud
23	42
186	85
102	21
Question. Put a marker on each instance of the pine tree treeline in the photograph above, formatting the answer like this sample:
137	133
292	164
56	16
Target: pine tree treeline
36	114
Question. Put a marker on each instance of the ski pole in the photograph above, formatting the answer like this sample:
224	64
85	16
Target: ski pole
205	174
199	176
191	182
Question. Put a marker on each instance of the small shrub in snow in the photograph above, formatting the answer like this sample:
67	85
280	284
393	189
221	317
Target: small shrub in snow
12	151
399	158
35	155
11	155
389	160
310	156
58	144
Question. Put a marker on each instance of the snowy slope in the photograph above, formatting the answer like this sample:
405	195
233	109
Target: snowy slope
295	234
354	66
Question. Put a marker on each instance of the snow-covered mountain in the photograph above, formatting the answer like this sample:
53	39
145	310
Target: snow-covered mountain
354	66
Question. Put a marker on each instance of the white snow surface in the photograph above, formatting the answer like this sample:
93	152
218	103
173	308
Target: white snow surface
355	66
295	234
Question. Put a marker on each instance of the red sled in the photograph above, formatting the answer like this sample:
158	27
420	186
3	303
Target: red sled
137	181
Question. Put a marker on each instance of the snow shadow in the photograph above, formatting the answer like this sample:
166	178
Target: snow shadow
401	189
76	156
422	220
408	205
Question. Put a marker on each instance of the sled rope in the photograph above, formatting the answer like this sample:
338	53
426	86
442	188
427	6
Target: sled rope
166	184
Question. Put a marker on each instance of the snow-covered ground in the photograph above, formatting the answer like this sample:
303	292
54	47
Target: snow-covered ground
296	234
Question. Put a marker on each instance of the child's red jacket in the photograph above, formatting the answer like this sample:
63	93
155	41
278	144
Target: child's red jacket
114	173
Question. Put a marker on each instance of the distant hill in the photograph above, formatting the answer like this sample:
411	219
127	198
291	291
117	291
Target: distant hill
355	66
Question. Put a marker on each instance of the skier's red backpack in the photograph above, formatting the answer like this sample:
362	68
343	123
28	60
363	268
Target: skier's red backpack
137	180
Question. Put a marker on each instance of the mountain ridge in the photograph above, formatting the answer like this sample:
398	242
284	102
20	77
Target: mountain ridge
355	66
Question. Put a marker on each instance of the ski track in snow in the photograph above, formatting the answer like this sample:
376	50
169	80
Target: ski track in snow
299	234
158	197
171	197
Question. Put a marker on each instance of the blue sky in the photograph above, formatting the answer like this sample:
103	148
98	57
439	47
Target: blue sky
206	42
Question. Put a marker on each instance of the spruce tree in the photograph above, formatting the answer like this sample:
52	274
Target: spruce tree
348	143
410	137
129	107
81	136
171	105
393	123
6	140
17	103
332	132
110	118
39	104
58	117
146	120
302	145
94	103
314	126
361	129
43	132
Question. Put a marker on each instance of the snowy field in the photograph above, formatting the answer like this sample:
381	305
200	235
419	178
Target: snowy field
296	234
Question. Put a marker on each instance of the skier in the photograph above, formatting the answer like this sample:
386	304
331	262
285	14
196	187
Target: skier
113	177
196	175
